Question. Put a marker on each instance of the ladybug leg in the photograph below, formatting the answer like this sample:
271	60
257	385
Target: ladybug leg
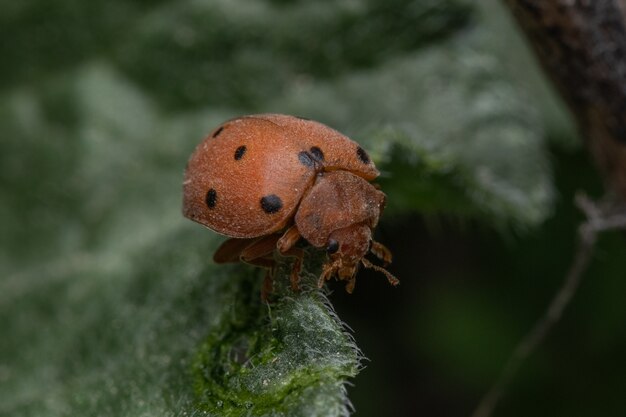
350	285
259	253
381	252
392	280
288	239
267	263
294	278
230	250
286	247
327	272
260	248
268	285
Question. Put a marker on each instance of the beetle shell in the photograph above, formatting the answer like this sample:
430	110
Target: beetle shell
337	150
248	176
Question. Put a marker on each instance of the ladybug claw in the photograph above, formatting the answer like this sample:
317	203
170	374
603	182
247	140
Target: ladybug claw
350	285
294	278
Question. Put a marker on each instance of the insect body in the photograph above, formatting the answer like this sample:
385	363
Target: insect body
269	180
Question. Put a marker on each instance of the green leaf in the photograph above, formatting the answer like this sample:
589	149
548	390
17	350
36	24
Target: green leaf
111	303
241	52
141	323
449	129
294	363
175	337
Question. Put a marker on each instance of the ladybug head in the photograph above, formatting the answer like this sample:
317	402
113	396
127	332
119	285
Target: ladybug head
347	248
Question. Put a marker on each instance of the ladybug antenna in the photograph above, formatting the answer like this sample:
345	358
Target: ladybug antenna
381	252
392	280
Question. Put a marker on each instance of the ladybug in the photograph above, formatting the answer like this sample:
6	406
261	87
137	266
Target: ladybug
269	180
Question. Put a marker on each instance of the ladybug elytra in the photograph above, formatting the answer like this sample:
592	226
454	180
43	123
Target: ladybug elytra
269	180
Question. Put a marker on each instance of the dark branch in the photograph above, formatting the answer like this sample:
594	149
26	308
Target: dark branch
582	46
599	218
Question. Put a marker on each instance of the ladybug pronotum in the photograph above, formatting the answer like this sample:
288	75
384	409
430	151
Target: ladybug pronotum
269	180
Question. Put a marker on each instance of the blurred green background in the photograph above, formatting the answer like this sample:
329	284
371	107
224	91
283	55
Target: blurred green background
106	291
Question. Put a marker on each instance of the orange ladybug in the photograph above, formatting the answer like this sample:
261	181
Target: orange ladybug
268	180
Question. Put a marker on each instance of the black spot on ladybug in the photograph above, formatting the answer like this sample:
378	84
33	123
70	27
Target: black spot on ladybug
317	153
271	203
218	131
363	156
239	152
306	159
211	198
